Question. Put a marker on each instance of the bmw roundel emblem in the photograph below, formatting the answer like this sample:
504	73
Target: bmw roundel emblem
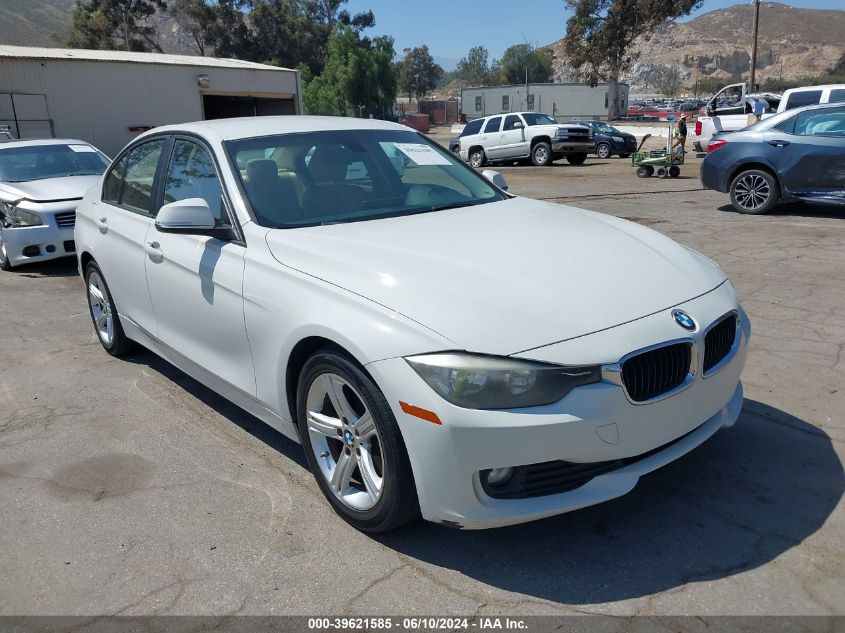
684	320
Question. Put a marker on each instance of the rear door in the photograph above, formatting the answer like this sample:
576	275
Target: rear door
490	137
196	280
810	156
123	218
512	141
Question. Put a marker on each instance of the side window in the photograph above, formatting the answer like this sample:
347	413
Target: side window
803	98
191	174
473	127
821	123
836	95
478	104
114	180
510	120
787	126
493	125
506	103
141	165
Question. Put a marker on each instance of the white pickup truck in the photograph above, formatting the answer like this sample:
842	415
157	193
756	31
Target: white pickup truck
516	135
728	111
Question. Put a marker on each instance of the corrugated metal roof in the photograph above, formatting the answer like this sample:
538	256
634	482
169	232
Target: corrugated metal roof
31	52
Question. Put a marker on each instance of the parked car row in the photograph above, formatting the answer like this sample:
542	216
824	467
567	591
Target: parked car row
364	306
540	138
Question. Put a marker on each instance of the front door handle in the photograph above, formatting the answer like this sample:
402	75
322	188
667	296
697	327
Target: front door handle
102	224
778	143
153	249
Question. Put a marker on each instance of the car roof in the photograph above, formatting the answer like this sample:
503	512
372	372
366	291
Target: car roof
42	141
822	87
250	127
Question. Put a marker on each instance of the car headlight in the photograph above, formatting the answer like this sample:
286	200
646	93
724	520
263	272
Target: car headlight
475	381
562	132
618	139
15	216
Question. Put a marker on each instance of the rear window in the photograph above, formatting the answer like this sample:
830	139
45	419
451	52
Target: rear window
493	124
473	127
803	98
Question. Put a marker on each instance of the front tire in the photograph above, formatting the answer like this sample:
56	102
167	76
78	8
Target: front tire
353	444
576	159
104	314
754	192
477	158
541	154
5	264
603	150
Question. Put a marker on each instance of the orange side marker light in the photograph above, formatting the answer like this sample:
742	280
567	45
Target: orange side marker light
418	412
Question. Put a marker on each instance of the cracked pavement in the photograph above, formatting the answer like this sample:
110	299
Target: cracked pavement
128	488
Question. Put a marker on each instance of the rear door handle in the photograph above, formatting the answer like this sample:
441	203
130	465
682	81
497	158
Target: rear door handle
778	143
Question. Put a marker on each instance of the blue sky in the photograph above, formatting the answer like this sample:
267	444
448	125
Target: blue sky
445	24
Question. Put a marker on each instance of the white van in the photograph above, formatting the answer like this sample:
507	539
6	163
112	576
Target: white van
811	95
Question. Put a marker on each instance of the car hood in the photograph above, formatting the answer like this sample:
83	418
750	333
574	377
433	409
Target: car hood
503	277
51	189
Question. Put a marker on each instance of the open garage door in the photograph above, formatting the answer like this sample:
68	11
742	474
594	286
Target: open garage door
226	106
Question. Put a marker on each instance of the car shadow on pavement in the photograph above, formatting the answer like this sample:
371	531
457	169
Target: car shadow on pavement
743	498
65	267
248	422
801	210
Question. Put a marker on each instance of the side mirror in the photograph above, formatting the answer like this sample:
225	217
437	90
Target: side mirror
518	125
709	109
496	178
191	215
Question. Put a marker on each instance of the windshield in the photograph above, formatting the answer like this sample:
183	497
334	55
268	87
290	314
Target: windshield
314	178
37	162
536	118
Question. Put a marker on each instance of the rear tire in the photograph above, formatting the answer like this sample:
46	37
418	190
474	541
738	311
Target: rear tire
477	158
754	192
541	154
103	313
576	159
674	171
603	150
356	454
644	172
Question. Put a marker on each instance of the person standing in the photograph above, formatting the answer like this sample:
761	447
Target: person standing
681	134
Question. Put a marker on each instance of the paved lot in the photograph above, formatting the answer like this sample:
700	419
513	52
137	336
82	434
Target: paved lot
126	487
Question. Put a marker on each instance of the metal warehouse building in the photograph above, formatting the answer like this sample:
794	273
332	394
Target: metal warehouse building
107	97
563	101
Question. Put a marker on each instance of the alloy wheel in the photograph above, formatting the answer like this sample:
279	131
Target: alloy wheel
345	441
476	159
98	298
752	191
541	155
603	151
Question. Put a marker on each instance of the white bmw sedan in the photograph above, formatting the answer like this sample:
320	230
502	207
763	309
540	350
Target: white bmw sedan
439	346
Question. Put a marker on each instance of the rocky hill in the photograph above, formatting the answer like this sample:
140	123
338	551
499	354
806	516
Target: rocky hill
793	43
35	22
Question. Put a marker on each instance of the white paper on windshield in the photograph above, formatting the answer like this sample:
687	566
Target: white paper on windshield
422	154
82	148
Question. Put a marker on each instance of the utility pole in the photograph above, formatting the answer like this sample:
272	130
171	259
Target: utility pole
751	88
526	88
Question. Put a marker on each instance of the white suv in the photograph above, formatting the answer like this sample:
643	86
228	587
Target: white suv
524	135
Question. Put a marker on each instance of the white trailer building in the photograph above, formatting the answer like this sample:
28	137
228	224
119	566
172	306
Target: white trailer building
563	101
107	97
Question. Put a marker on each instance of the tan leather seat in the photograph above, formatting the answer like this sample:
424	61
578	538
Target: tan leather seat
329	193
274	198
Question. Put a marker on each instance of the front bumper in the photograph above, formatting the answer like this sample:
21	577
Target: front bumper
566	146
29	244
595	423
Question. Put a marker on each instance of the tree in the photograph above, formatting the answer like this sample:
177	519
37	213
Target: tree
115	25
600	35
663	78
511	68
474	68
417	71
193	18
358	78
